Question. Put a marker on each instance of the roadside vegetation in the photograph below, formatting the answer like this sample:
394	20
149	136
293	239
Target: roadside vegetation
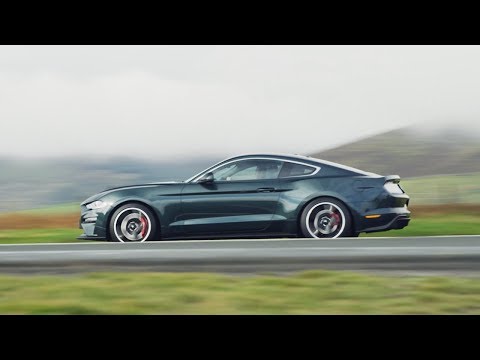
443	189
434	220
60	224
30	236
312	292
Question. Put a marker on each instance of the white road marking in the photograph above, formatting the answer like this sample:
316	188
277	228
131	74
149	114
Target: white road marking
245	240
150	251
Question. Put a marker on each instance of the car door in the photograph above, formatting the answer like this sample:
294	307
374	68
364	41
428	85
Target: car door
241	199
293	184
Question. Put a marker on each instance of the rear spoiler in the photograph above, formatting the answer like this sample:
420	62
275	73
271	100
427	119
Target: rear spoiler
392	178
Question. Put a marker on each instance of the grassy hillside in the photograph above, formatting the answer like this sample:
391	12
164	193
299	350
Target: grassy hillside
409	152
27	184
446	189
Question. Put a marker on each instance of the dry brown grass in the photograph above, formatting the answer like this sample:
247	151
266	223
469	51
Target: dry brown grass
70	220
445	209
27	221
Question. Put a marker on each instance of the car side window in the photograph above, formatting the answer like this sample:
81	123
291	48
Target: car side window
249	169
291	169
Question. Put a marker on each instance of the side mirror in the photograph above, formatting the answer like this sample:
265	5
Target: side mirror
206	179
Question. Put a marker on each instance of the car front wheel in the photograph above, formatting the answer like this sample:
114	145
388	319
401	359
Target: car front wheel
132	223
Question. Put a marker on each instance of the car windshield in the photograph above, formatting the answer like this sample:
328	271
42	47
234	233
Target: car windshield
243	169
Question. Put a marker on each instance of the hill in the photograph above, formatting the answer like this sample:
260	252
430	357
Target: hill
411	152
408	152
27	183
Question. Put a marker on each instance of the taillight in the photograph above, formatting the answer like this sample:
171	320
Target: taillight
393	188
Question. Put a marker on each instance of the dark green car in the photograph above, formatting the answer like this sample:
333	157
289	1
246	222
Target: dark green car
251	196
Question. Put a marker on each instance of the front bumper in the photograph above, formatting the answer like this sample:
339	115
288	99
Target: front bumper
92	223
91	237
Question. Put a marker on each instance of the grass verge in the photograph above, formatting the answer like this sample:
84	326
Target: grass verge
27	236
312	292
454	224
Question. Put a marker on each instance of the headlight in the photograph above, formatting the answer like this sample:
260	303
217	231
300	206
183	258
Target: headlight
96	205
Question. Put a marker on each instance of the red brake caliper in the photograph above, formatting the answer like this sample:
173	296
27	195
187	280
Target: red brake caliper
336	218
144	226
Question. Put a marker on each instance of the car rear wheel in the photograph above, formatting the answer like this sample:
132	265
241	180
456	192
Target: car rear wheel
326	218
132	223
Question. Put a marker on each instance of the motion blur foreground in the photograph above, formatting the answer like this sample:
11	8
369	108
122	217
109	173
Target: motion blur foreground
259	195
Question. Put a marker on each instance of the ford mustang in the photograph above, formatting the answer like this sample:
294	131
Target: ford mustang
251	196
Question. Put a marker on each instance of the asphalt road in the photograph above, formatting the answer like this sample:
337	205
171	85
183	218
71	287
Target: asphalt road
415	254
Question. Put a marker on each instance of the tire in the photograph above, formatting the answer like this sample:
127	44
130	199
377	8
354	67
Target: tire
132	223
326	218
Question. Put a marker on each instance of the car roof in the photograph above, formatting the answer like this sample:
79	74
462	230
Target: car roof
302	158
292	157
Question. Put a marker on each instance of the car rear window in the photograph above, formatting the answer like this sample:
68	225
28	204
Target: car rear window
291	169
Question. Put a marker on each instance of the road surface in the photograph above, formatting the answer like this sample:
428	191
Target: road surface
415	254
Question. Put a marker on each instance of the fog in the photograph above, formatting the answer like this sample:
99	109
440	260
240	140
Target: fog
164	102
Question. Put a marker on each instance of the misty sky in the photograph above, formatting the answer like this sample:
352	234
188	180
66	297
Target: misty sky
164	102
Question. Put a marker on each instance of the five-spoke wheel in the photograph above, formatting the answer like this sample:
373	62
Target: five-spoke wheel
326	218
132	223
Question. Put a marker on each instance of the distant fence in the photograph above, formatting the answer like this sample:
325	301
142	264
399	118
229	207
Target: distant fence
444	189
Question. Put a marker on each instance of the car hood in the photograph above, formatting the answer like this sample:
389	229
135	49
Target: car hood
109	190
143	185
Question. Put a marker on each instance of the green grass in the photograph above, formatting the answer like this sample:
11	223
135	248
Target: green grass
443	189
313	292
455	224
39	236
67	208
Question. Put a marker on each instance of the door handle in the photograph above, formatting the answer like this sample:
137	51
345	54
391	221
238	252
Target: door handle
267	189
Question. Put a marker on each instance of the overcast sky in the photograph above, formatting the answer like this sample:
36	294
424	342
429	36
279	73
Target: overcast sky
163	102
